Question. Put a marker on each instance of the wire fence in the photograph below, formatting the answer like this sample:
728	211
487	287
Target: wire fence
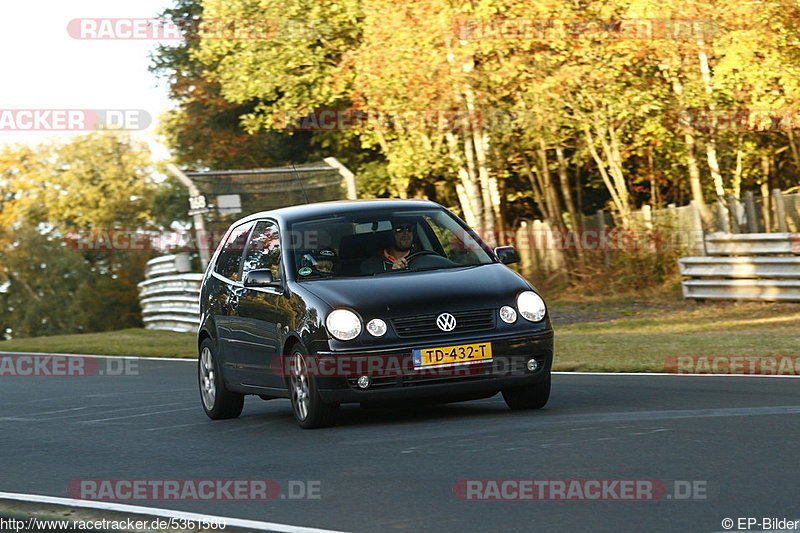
546	251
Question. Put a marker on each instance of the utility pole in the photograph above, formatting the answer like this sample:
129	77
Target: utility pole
197	208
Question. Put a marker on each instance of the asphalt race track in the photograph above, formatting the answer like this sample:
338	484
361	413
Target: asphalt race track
734	440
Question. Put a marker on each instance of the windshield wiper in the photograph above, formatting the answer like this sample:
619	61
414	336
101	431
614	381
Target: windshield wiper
444	267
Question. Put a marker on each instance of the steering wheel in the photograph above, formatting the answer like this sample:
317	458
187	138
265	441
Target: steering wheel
420	253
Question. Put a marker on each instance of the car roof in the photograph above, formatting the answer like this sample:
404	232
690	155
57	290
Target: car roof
321	209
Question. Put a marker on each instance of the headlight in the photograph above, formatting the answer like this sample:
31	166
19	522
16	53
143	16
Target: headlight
343	324
531	306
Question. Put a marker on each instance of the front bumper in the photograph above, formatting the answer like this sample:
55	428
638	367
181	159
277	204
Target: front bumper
399	380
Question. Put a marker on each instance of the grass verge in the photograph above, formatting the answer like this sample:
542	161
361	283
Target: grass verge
645	336
131	342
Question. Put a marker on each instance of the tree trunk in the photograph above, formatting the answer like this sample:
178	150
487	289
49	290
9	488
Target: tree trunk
479	145
536	189
711	144
765	195
566	190
737	175
472	201
547	186
695	185
795	154
601	167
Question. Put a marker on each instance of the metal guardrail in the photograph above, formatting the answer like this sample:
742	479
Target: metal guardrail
170	301
168	264
752	243
746	266
743	289
740	267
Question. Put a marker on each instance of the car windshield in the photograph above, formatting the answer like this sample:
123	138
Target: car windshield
383	242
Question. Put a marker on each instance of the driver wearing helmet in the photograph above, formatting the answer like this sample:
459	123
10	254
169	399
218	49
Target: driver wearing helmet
394	256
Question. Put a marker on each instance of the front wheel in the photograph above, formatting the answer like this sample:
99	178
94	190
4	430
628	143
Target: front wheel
529	396
309	409
218	401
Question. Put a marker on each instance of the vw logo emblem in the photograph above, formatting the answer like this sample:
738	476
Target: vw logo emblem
446	322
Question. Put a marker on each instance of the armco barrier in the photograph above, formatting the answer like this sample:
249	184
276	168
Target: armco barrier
746	266
168	264
743	289
752	243
740	267
169	300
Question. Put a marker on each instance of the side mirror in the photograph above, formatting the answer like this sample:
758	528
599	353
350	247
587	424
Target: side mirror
260	278
506	254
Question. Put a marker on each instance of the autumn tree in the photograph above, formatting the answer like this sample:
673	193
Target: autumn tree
99	181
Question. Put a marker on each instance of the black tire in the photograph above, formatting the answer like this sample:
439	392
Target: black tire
309	409
217	401
528	397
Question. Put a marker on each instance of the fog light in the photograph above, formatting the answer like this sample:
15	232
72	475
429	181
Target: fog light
507	314
376	327
533	365
363	382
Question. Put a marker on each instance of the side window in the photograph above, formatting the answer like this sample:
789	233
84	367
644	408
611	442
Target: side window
231	252
457	244
264	249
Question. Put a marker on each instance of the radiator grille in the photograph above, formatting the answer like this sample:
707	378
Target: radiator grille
425	325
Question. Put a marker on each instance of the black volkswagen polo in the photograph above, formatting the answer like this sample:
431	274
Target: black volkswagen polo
368	301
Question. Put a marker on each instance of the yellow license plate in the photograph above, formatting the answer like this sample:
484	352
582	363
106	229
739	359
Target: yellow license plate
443	355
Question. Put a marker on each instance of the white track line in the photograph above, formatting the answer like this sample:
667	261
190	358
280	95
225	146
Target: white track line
559	373
138	415
185	360
164	513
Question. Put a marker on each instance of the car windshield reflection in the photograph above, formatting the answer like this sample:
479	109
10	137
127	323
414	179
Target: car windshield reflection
383	242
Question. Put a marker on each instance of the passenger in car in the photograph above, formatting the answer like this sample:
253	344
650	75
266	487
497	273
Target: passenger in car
320	261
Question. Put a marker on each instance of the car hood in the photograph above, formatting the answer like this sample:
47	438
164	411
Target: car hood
411	293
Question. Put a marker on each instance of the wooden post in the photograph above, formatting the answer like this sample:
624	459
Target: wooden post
647	216
766	208
723	221
698	236
349	177
733	209
524	245
601	218
780	210
674	228
750	212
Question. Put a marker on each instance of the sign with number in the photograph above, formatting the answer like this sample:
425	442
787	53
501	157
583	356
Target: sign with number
197	202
